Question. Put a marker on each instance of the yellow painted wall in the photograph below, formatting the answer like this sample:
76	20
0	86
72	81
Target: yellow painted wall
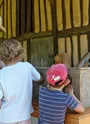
8	13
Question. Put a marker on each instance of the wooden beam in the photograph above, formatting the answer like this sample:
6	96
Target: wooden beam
54	27
28	50
30	35
60	34
74	31
88	36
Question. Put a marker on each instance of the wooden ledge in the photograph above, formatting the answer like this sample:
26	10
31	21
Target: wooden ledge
78	116
74	118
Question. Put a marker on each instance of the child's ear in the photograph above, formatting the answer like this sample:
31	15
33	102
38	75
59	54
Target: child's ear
66	82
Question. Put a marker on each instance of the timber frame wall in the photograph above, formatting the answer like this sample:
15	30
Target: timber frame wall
67	21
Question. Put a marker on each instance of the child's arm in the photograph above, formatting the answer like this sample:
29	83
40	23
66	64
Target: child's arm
42	79
79	108
36	76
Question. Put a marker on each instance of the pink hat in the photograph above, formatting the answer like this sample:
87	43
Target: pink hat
56	74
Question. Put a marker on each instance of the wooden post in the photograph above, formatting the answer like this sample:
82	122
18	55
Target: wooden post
88	42
28	51
54	27
23	9
18	17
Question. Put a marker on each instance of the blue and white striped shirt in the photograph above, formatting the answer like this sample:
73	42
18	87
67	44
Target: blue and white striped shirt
53	105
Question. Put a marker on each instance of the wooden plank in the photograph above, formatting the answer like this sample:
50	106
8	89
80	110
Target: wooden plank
9	18
75	51
46	21
65	46
51	1
89	12
76	13
72	47
5	16
84	45
64	14
67	11
25	50
13	18
71	13
49	18
88	36
36	16
1	14
85	12
81	11
18	17
71	121
32	17
69	48
85	120
54	27
28	50
74	31
39	14
61	45
1	3
42	12
79	49
28	15
59	14
23	16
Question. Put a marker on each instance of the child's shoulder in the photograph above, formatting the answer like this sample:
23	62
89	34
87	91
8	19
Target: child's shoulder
26	64
42	88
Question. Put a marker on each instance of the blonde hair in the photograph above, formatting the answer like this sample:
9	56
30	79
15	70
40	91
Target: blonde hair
11	49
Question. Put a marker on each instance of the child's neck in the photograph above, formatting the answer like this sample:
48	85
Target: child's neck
11	63
52	88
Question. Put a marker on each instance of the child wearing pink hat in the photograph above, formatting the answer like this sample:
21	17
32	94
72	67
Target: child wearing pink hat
53	102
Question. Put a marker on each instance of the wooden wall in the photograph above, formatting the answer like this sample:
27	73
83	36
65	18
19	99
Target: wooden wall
33	16
8	14
23	18
73	15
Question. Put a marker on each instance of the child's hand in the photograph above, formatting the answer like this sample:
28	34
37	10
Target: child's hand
69	89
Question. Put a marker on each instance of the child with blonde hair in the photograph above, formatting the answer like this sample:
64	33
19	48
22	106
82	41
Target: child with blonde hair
53	102
16	81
